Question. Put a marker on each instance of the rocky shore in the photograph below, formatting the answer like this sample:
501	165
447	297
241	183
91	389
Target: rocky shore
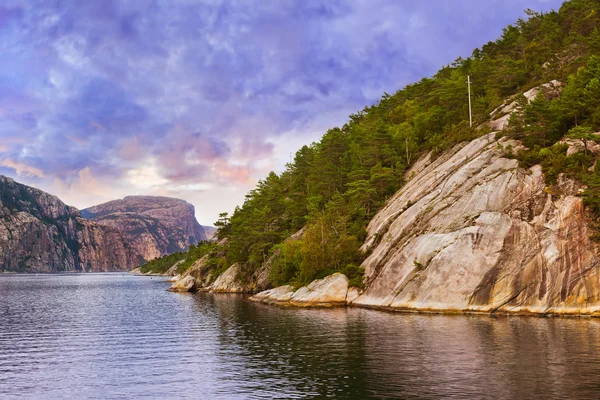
472	232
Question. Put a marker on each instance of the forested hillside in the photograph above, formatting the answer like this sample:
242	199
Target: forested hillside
333	187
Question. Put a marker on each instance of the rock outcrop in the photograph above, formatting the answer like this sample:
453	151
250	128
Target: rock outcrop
39	233
471	231
501	115
327	292
228	282
153	226
187	284
231	280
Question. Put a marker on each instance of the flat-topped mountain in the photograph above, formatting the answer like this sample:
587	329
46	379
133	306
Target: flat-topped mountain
153	226
40	233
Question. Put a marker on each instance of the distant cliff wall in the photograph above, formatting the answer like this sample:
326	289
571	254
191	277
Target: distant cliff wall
39	233
153	226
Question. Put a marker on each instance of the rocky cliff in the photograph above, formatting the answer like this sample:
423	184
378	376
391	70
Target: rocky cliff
39	233
471	231
153	226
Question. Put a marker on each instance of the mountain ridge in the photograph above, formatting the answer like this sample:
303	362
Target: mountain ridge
40	233
153	225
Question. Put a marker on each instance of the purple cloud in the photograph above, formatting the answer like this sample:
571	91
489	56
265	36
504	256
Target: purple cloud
208	94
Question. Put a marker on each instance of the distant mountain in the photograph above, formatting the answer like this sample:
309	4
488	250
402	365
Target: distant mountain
209	231
39	233
153	226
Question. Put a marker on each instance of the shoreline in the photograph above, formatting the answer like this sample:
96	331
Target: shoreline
404	310
448	312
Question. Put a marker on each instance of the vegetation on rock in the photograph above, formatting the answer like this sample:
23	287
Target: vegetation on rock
334	187
161	264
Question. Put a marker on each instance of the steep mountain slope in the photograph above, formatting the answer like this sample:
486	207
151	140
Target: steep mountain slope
39	233
153	226
436	214
334	187
473	231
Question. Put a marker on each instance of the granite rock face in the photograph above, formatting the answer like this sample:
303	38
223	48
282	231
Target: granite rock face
329	291
471	231
228	281
153	226
202	276
39	233
187	284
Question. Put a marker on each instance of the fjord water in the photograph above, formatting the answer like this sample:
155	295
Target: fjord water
115	336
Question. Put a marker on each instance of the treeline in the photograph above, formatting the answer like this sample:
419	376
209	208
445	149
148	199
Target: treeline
575	114
334	187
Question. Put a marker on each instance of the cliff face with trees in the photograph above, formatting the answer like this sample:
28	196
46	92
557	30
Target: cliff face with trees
335	187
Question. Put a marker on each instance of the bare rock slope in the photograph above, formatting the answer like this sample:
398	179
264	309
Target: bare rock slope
153	226
39	233
471	231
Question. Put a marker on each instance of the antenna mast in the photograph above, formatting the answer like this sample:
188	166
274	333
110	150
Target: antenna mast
470	112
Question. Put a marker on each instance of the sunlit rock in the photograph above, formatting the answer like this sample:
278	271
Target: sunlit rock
329	291
472	231
39	233
185	284
228	281
153	226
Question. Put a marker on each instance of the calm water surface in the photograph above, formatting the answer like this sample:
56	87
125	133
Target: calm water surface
114	336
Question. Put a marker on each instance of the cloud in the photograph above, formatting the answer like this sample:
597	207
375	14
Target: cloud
21	169
191	97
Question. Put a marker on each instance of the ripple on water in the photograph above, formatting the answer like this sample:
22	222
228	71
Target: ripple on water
114	336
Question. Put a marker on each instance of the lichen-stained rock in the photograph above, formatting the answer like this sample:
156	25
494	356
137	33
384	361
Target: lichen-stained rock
471	231
185	284
326	292
153	226
39	233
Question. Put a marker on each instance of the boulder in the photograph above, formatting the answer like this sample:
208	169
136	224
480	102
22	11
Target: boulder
185	284
326	292
278	295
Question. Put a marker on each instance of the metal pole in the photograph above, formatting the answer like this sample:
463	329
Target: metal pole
470	113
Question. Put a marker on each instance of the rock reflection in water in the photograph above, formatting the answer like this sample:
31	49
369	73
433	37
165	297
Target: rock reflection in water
109	336
364	353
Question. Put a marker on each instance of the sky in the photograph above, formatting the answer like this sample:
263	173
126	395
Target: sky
198	100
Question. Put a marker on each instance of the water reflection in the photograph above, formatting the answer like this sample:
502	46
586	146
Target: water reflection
363	353
114	336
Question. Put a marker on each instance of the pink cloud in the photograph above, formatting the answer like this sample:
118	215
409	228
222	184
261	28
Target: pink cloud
22	169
